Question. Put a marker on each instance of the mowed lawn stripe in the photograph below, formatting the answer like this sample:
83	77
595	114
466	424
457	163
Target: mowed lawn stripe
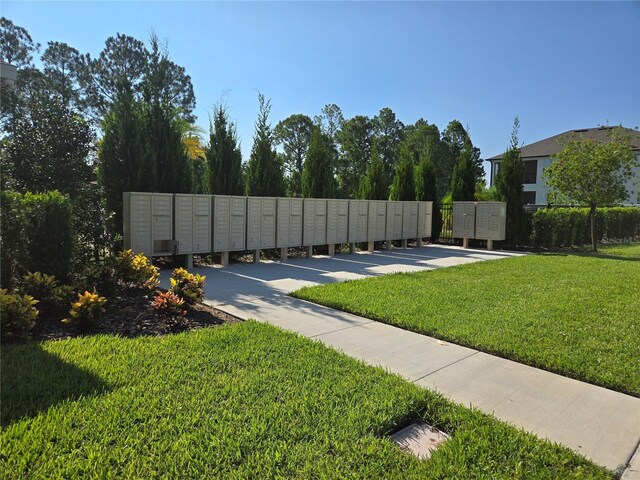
241	401
576	315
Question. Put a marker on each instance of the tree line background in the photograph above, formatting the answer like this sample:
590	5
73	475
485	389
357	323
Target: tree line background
94	127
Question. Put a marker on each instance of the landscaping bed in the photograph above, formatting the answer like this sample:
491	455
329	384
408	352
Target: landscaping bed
240	401
129	314
574	314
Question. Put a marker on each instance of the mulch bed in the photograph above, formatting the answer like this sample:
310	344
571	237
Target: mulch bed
128	314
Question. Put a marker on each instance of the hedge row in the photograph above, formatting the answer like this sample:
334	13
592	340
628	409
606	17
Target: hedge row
559	227
37	235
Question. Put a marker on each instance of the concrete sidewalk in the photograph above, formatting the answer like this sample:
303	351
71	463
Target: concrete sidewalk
598	423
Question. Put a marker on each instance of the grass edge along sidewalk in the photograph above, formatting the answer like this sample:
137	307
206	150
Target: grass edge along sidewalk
246	400
569	314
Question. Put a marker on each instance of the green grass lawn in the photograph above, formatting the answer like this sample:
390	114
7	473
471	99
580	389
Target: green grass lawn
625	250
577	315
240	401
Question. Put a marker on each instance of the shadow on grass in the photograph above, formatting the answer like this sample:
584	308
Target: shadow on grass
600	255
33	380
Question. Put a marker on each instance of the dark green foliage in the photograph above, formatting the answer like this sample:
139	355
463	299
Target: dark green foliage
426	185
10	237
92	237
125	164
48	146
388	132
47	233
457	140
166	150
223	155
53	298
463	180
354	137
264	170
294	134
558	227
17	315
37	235
16	45
374	185
317	175
509	187
403	187
62	69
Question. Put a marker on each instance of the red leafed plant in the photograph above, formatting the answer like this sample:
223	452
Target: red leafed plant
169	304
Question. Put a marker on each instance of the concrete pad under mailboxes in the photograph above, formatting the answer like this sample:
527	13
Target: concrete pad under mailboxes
420	439
402	352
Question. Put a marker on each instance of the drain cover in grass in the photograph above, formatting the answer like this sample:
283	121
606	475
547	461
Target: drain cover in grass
419	439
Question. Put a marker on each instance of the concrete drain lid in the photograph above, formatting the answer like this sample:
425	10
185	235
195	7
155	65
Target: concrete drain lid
419	439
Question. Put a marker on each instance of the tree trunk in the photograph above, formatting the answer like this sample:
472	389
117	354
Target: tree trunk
594	249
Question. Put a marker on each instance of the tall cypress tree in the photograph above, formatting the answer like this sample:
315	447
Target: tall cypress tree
317	173
264	171
223	155
374	184
123	154
427	190
463	180
509	187
403	187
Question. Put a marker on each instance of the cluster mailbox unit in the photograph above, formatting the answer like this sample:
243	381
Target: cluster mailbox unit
358	216
409	221
337	223
185	224
148	223
425	219
289	224
314	231
261	224
377	223
192	223
479	220
229	225
394	222
491	222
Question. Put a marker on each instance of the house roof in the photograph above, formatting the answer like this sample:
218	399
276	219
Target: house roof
553	145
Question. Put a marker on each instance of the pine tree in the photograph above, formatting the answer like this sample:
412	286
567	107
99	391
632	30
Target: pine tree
403	185
317	173
264	171
509	187
463	180
374	184
223	155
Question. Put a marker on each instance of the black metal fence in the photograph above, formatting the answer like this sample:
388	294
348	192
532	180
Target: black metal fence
446	233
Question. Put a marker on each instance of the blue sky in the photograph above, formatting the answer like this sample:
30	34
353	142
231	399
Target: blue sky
557	65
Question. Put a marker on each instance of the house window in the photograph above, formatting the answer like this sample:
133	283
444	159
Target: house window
528	198
529	172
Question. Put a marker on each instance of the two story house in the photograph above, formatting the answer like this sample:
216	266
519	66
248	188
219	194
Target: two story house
537	156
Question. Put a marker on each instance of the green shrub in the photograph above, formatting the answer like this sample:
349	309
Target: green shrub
52	298
187	286
135	270
10	237
47	233
572	226
17	315
169	304
88	309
